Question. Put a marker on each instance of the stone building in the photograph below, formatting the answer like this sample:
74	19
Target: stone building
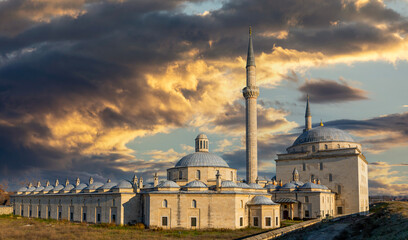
334	158
203	191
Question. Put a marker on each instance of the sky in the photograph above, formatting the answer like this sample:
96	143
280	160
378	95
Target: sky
113	88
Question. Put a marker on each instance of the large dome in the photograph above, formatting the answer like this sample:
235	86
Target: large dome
201	159
323	134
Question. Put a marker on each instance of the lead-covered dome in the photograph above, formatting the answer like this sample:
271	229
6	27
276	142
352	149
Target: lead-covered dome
202	159
323	134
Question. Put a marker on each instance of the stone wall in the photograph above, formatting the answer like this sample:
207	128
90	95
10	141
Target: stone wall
6	210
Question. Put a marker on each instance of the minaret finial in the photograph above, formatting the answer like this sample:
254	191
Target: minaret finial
250	56
321	123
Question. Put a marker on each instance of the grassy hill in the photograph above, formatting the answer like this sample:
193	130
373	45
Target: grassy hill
387	220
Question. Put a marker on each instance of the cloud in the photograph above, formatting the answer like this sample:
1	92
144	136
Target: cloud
328	91
386	179
80	79
379	134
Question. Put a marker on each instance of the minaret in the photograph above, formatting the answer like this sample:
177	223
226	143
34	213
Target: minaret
251	93
308	117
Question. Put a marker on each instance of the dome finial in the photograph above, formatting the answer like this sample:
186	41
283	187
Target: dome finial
321	123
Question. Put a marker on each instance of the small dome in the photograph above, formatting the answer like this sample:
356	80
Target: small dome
261	200
48	188
124	184
310	185
254	185
69	187
59	187
109	185
201	136
81	186
202	159
289	186
195	184
94	186
243	185
168	184
271	186
228	184
148	185
323	134
23	189
39	189
297	183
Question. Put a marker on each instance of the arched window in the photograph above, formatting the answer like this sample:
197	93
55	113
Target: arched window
304	166
180	174
164	204
113	202
242	204
194	204
201	144
330	177
198	174
338	145
232	176
99	203
349	146
326	147
313	148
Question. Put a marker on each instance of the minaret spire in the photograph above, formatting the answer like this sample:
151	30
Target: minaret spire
308	116
251	93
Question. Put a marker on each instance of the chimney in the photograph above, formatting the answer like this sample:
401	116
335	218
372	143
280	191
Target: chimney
141	182
47	183
218	181
38	184
91	180
56	182
77	181
155	180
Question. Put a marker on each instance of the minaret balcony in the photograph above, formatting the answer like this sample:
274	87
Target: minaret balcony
250	92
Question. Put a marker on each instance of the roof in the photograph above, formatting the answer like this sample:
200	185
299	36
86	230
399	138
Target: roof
228	184
286	200
109	185
271	186
49	188
254	185
310	185
323	134
196	184
23	189
95	186
261	200
250	56
124	184
289	186
202	159
243	185
69	187
38	189
81	186
201	135
59	187
168	184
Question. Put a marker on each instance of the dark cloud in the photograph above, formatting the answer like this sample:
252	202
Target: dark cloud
87	61
328	91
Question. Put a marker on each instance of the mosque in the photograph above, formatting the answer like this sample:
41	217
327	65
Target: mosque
324	173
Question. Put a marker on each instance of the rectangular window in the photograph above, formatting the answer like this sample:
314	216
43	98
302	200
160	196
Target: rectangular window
39	214
49	213
277	221
321	166
164	221
194	222
330	177
84	217
306	198
71	216
339	210
30	213
256	223
339	189
113	218
268	221
304	166
307	213
98	218
241	221
22	212
59	214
